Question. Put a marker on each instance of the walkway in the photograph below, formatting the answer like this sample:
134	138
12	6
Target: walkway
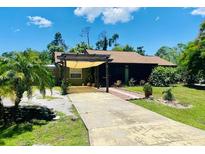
56	102
113	121
123	94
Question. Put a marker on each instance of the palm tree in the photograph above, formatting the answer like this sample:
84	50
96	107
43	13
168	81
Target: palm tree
5	91
104	42
114	39
21	72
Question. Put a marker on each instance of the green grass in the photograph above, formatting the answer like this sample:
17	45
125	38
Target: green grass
57	88
38	132
194	116
49	98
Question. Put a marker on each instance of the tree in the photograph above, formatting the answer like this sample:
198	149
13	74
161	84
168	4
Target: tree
118	48
113	40
171	54
8	54
128	48
80	48
5	91
57	45
140	50
45	57
58	41
86	33
193	58
163	51
104	42
20	72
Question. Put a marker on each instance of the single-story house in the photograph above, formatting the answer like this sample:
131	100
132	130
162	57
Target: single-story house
92	66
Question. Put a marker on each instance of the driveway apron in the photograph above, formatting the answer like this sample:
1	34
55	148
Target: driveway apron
113	121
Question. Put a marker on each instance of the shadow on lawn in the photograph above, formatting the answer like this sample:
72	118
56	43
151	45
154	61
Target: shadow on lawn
198	87
16	121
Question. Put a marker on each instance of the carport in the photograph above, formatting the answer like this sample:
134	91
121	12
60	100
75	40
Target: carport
85	61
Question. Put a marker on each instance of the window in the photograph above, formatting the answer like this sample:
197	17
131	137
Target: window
75	73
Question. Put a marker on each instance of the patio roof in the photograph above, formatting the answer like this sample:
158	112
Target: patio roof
83	60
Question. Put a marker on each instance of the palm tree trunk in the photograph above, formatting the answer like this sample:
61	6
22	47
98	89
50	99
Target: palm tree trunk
1	112
18	99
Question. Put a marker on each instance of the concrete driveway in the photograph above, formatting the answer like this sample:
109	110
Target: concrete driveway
113	121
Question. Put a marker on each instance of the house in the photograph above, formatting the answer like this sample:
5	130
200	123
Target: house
92	66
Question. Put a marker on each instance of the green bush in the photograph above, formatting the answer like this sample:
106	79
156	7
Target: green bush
132	82
164	76
142	82
147	90
118	83
168	95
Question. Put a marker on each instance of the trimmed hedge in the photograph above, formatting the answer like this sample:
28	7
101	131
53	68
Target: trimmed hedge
164	76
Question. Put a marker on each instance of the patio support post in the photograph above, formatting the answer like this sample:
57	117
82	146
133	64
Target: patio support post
107	76
126	74
97	76
64	71
61	71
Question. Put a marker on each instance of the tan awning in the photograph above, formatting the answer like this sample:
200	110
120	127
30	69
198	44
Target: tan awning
82	64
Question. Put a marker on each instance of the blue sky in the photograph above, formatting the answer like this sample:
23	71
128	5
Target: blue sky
152	28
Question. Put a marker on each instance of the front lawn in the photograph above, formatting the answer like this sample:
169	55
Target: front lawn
39	132
194	116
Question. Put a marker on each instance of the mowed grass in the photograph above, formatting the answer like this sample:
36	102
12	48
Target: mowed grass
194	116
49	98
38	132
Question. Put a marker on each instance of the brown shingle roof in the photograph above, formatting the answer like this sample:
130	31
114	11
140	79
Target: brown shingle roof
127	57
160	61
132	57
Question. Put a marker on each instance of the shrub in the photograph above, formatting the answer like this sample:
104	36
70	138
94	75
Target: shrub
118	83
142	82
64	87
164	76
168	95
147	90
132	82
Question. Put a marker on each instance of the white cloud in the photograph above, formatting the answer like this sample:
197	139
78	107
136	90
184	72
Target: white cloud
39	21
89	12
17	30
157	18
108	15
199	11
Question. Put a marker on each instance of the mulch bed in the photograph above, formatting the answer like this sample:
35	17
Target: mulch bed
25	113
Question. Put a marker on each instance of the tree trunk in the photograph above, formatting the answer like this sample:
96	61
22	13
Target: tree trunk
18	99
1	112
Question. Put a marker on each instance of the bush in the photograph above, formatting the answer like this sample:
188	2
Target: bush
164	76
142	82
147	90
167	95
118	83
131	82
64	87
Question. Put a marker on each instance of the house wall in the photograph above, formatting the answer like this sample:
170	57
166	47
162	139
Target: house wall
79	82
125	72
117	71
75	82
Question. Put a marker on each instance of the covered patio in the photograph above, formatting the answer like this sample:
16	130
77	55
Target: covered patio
82	61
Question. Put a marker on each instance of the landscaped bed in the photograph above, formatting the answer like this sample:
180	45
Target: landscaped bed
194	116
61	132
